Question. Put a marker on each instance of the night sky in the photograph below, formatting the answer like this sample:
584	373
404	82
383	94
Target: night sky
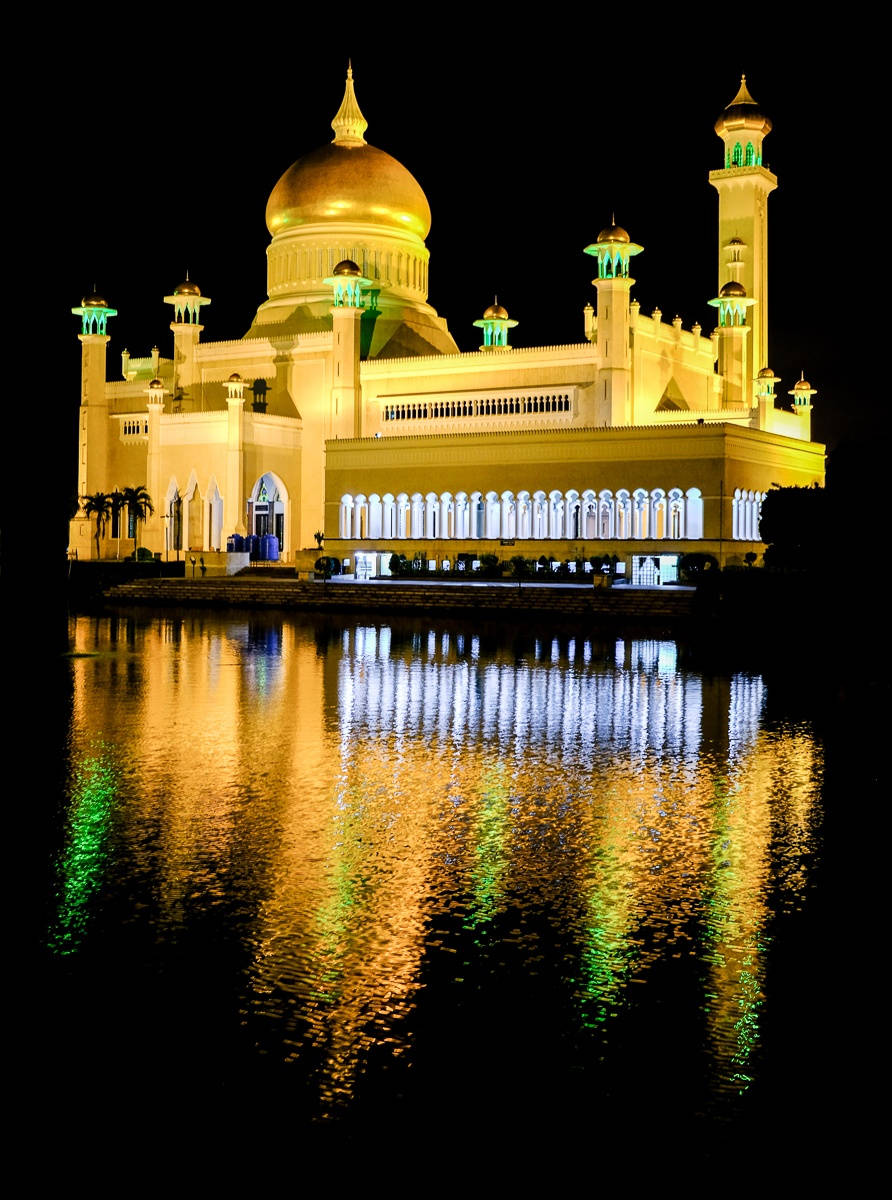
525	138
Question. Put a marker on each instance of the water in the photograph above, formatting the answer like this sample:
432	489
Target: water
368	880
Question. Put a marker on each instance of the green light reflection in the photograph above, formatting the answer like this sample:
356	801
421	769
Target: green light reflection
82	865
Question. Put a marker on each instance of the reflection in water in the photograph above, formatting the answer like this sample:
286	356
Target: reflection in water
83	861
375	812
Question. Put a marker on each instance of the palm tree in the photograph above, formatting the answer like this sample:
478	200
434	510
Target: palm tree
139	505
99	505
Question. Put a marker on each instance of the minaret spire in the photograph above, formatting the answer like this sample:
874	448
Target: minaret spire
349	124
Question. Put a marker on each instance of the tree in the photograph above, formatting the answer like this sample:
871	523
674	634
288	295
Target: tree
520	568
793	523
99	505
139	505
319	537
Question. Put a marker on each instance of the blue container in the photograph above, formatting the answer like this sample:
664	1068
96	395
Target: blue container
269	548
252	545
230	543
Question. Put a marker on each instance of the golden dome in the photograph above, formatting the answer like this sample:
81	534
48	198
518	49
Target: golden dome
766	373
743	113
156	383
495	312
358	184
348	181
802	385
187	289
613	233
94	301
346	267
732	288
234	377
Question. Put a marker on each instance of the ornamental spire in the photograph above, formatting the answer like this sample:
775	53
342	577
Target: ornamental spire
743	96
349	124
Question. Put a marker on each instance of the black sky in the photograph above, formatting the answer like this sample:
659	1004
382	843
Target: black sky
158	155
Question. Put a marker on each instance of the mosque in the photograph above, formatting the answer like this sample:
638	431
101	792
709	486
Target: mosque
348	410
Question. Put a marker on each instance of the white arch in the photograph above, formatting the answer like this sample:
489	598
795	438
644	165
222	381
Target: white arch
606	514
658	514
694	514
524	515
375	515
640	513
509	515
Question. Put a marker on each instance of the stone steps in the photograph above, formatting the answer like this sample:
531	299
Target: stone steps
613	605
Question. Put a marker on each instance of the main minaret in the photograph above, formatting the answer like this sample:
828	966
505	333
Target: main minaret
744	185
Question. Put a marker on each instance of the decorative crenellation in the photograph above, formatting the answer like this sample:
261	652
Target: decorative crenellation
530	404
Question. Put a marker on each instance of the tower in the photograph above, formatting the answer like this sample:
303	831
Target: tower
187	302
733	338
347	282
613	249
744	185
802	393
93	424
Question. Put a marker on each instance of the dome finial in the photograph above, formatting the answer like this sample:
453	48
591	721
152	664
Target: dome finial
349	124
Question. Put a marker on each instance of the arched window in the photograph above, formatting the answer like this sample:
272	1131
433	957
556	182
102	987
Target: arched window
623	514
345	524
388	516
417	511
750	156
676	514
640	513
737	156
432	524
540	515
574	515
403	516
694	513
493	513
461	515
524	515
606	521
509	515
360	517
658	513
476	515
374	516
555	515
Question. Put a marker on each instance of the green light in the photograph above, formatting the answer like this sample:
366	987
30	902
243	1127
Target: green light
83	862
491	859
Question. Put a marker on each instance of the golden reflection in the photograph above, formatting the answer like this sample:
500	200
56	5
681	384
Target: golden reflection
348	791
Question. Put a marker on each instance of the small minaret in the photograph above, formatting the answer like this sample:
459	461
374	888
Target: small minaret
346	282
234	503
93	426
744	185
766	382
733	335
802	393
187	302
613	249
495	324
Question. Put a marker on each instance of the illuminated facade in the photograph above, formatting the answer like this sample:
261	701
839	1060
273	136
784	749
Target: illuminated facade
347	407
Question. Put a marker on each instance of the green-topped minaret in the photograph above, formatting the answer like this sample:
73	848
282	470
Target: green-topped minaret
495	324
613	249
744	184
